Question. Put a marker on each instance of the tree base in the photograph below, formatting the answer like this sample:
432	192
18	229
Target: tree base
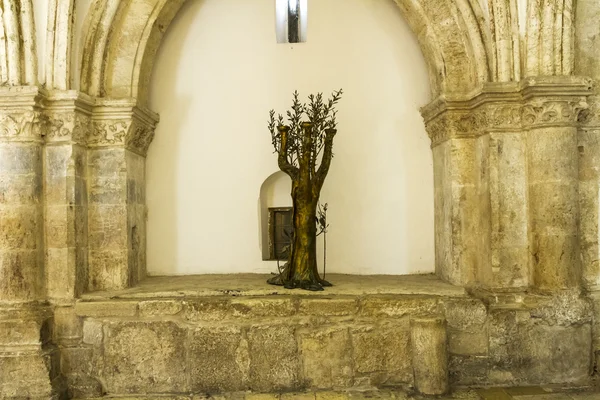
313	286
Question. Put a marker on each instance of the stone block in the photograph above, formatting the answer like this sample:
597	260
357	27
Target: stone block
274	358
142	357
20	189
106	162
556	262
328	307
261	396
552	154
262	307
20	159
100	309
589	231
218	359
525	352
110	189
60	227
462	161
83	386
428	339
398	307
60	272
553	208
67	325
589	155
327	357
151	308
20	227
19	333
298	396
468	370
468	343
93	333
207	309
510	267
108	270
25	376
382	352
78	361
465	314
21	275
107	226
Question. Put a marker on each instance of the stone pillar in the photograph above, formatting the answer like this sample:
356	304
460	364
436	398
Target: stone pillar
21	197
589	189
429	355
461	195
550	115
69	115
27	358
118	145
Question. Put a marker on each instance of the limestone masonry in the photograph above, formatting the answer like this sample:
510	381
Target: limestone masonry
515	134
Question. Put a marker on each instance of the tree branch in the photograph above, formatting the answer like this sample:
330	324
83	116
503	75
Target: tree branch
282	160
327	156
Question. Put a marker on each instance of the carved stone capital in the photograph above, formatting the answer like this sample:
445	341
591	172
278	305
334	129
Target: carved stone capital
590	117
542	112
22	118
123	125
69	117
509	107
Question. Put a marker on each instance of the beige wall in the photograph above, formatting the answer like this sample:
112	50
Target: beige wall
217	74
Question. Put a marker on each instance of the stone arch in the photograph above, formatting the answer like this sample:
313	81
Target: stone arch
123	37
18	57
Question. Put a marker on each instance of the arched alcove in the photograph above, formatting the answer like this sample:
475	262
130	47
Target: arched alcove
212	151
274	192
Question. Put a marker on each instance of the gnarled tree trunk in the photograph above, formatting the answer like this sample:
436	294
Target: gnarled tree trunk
301	270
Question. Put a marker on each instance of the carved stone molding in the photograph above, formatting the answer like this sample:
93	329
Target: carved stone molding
123	125
532	103
69	117
552	112
590	117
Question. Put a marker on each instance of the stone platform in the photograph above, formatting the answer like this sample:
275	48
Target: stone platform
222	334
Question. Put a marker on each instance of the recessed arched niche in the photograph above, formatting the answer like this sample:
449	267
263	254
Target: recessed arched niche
274	195
212	152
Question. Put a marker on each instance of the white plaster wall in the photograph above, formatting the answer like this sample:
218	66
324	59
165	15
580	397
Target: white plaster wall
220	70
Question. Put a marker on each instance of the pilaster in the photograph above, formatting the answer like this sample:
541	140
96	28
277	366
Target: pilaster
118	144
69	124
505	165
589	189
21	195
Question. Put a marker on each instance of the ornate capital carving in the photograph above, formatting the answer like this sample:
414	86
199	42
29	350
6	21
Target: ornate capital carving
512	107
68	126
590	117
552	112
22	126
129	127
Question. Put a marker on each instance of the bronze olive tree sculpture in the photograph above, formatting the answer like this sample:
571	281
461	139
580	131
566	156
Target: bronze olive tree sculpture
305	149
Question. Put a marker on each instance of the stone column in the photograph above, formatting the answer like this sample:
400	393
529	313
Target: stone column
26	359
69	116
550	115
430	355
118	145
461	180
589	189
21	197
507	164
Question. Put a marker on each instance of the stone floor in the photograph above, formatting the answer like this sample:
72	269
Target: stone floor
522	393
